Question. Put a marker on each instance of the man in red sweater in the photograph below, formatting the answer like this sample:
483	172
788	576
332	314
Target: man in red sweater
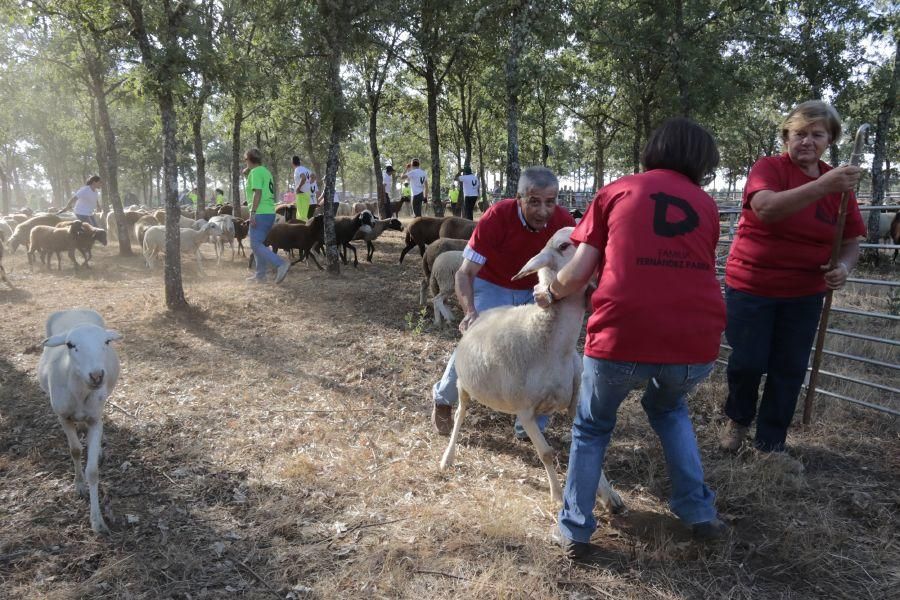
506	237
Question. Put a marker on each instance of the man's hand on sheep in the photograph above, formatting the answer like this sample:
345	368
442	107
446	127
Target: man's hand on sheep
468	320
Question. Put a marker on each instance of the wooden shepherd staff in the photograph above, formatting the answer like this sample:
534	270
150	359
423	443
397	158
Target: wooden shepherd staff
855	159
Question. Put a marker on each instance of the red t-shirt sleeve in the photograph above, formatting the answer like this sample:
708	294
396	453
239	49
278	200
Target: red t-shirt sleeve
593	228
764	175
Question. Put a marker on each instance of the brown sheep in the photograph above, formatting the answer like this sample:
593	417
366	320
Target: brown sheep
160	216
297	236
84	243
241	230
420	232
49	240
131	217
435	249
22	235
456	228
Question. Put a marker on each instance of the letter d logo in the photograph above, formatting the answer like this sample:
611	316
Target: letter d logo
663	227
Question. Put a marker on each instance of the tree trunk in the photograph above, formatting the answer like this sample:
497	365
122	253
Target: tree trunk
636	143
599	157
236	153
513	87
111	178
199	157
484	187
882	129
175	299
4	192
432	91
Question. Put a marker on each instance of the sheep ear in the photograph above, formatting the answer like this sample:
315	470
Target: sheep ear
544	259
55	340
112	336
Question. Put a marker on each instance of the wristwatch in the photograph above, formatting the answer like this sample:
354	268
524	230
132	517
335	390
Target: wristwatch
550	294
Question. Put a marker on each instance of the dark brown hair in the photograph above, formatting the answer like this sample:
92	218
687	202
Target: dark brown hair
683	146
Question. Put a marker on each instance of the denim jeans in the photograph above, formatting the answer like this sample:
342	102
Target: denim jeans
89	219
604	385
265	258
772	336
469	207
486	296
417	201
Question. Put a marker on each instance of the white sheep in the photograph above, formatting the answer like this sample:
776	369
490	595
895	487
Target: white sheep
191	240
523	360
442	283
78	370
225	234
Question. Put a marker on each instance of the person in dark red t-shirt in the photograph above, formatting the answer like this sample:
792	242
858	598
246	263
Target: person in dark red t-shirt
776	275
506	237
657	321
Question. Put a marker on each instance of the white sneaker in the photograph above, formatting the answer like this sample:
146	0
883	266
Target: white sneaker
282	271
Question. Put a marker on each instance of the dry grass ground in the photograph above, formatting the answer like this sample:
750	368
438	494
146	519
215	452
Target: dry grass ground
274	443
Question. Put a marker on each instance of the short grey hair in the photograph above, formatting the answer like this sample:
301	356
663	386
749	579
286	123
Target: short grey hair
536	178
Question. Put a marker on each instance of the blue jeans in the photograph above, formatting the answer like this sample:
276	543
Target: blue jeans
772	336
486	296
265	258
604	385
89	219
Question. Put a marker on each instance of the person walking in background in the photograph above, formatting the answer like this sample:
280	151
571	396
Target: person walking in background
301	189
657	320
85	200
777	274
418	181
387	183
261	198
470	185
220	197
454	199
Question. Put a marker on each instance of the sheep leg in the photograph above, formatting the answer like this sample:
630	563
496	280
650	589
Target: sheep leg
72	257
405	250
75	451
200	262
423	290
355	261
370	250
545	452
59	261
92	474
609	498
450	452
3	277
438	303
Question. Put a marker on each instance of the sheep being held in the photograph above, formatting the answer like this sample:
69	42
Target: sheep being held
78	370
522	360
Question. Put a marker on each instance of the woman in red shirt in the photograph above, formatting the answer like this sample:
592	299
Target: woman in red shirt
657	321
777	275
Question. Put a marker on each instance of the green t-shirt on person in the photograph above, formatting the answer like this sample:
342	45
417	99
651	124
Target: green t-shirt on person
193	198
220	199
454	195
259	178
406	192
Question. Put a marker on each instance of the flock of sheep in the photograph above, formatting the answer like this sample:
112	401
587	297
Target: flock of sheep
517	360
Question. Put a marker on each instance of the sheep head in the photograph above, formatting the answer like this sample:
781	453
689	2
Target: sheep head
87	346
395	224
555	255
365	220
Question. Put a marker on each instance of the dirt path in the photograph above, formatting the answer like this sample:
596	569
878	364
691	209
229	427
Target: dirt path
274	443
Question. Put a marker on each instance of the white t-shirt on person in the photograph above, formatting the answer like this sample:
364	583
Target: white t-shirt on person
87	200
470	185
300	171
417	180
388	180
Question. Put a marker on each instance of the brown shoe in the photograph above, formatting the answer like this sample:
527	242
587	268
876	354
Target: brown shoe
733	436
442	418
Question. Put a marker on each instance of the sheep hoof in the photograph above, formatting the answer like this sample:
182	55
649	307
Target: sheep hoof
613	503
81	489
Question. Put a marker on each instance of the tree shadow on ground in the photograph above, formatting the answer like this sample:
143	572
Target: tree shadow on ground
177	519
